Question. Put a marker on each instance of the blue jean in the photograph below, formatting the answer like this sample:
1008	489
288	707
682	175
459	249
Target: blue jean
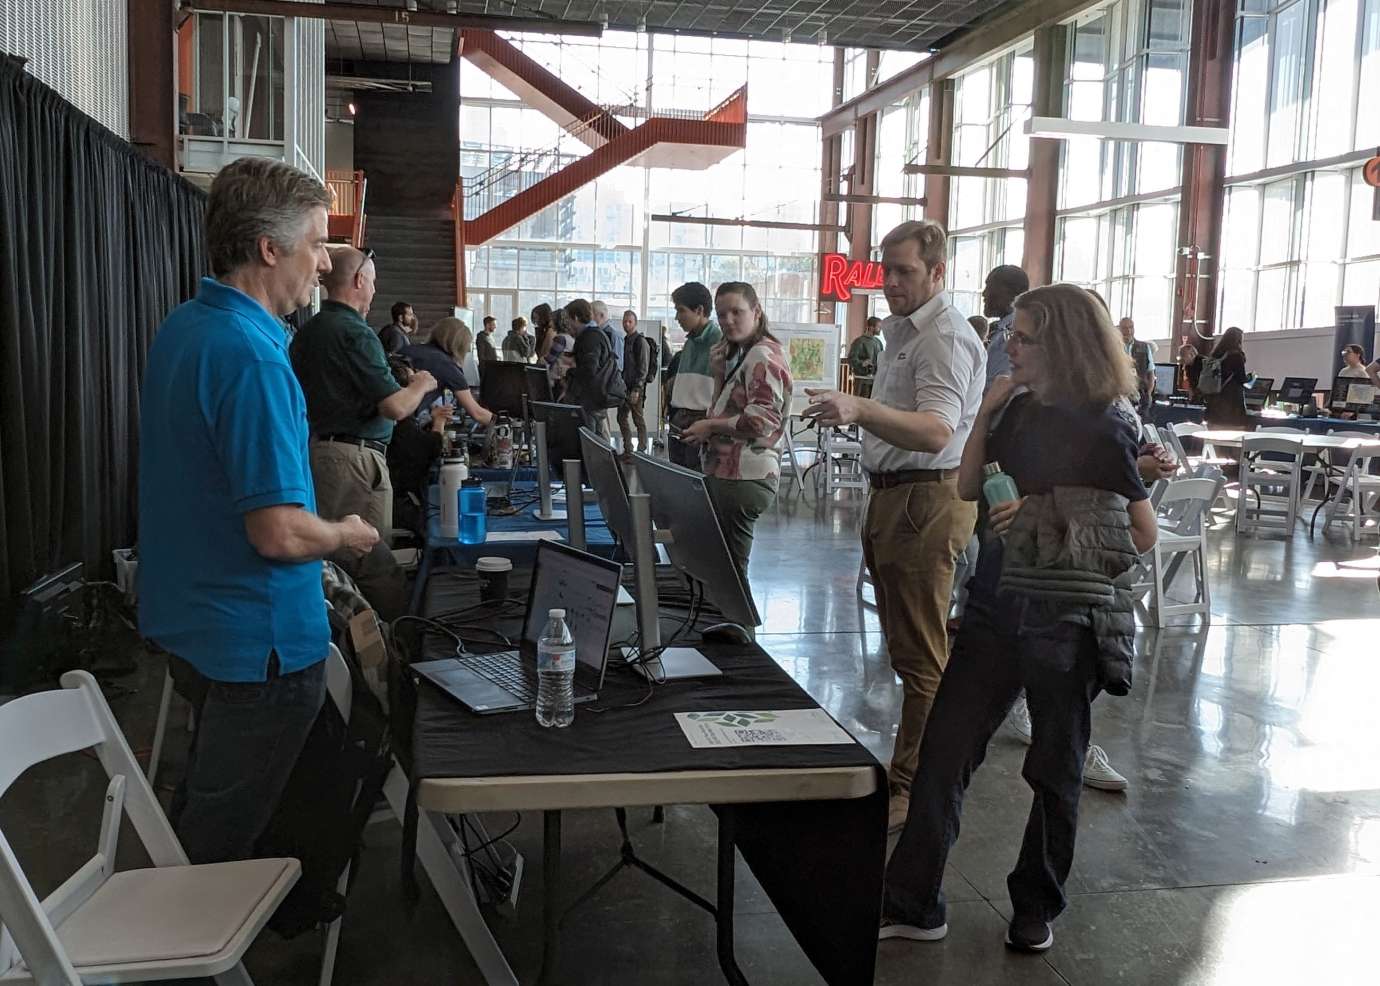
248	738
1056	664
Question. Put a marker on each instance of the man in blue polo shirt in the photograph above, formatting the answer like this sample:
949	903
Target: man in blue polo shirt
229	545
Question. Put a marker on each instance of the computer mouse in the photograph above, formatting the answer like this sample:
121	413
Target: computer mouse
726	633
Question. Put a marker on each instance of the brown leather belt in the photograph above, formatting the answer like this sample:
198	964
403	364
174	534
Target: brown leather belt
902	477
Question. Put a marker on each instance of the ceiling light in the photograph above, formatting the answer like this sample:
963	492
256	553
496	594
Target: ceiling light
642	24
823	37
1058	127
786	36
352	109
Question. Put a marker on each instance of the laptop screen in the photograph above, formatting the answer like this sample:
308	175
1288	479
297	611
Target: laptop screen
583	585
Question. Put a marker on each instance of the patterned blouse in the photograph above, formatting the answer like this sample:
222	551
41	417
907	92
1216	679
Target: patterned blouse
756	393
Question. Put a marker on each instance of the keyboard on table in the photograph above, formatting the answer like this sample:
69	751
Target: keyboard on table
505	670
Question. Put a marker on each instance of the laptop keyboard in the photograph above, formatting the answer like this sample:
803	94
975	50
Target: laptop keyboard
506	671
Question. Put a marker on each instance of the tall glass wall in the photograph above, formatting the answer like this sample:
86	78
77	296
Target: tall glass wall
1299	236
986	215
1119	200
600	242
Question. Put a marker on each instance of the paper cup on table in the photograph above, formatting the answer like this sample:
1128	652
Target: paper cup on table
493	578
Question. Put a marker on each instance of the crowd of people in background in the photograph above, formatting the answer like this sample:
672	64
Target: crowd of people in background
280	450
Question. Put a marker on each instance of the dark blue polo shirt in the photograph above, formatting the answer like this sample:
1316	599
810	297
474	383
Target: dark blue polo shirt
223	431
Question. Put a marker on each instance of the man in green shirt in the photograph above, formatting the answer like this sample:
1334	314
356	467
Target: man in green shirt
864	355
352	398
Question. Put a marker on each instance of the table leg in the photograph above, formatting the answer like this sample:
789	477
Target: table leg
551	904
723	910
451	883
419	584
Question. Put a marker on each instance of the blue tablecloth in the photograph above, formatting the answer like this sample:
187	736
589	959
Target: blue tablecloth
1169	414
598	538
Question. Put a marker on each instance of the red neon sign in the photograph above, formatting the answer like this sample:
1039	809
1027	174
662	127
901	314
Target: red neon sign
838	276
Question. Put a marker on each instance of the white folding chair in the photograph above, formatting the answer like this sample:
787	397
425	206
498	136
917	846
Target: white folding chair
1271	480
1182	519
171	920
341	690
1333	467
1359	492
841	452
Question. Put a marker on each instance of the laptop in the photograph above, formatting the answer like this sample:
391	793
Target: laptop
586	587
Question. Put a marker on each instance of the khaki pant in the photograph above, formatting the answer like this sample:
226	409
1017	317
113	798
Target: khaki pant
912	537
352	479
630	415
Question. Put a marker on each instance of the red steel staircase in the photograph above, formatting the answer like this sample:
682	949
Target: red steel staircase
505	195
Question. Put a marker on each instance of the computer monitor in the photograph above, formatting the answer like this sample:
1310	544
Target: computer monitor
1297	390
681	505
601	466
538	383
563	423
502	386
1352	394
1166	378
1258	393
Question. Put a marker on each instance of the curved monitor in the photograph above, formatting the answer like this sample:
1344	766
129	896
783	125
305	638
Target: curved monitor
681	505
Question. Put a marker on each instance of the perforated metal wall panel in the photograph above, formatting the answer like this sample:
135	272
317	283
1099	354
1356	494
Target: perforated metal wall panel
78	47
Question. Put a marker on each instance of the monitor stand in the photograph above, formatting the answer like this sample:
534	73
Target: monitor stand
543	511
674	663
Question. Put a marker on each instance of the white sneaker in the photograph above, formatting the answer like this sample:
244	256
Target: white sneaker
894	929
1098	772
1020	719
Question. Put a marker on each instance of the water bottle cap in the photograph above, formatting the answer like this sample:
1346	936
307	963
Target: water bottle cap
556	614
991	468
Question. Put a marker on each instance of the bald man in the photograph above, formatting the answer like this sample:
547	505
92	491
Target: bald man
352	397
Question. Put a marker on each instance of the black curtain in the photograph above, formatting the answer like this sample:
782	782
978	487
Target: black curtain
97	245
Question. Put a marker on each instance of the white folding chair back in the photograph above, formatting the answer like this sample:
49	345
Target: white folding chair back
1360	489
1183	428
136	925
1183	512
1271	480
842	455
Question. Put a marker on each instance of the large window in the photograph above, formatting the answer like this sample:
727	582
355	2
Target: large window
1128	63
986	215
600	241
1299	238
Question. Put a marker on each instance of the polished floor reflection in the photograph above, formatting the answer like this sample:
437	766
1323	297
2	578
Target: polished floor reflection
1246	850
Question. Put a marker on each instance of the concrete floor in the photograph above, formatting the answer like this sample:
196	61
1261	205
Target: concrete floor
1247	849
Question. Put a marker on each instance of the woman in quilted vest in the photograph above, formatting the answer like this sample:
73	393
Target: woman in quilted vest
740	439
1062	431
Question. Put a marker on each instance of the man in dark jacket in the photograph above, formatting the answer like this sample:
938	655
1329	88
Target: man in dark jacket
484	351
636	369
593	382
398	333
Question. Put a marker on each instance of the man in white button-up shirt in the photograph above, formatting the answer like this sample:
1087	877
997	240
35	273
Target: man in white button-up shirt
928	386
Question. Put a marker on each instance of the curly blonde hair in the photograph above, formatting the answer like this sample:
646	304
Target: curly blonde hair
454	337
1084	357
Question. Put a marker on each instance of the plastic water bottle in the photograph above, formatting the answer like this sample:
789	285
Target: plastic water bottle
555	672
997	486
473	524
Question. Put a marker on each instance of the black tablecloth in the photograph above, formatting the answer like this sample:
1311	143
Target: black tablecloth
820	862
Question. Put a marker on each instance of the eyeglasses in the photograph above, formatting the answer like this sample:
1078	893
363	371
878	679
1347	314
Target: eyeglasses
1022	339
368	256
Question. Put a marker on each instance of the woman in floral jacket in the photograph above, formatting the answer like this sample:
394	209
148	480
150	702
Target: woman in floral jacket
741	437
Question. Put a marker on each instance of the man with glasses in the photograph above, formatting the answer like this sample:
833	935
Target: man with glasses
352	397
925	397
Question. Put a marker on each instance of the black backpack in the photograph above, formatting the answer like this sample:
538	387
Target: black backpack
605	388
653	363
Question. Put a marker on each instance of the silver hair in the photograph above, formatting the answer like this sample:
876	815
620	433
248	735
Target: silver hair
253	198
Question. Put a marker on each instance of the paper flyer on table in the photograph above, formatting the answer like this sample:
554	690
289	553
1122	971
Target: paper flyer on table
499	536
790	727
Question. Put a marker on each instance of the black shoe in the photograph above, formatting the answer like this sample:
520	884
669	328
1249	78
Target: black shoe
1029	935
